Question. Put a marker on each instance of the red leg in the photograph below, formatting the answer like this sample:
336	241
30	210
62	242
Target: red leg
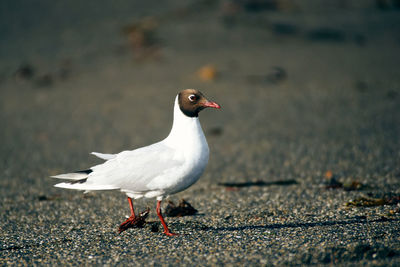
130	221
131	206
166	230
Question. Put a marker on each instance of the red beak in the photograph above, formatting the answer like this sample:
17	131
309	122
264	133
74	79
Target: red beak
211	104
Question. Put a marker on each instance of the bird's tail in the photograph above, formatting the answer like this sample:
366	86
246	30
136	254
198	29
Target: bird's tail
77	180
74	177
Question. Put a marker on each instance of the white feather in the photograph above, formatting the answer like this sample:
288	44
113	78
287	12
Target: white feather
71	176
104	156
83	186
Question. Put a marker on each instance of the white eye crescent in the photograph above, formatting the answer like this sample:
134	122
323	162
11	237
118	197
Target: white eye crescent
192	98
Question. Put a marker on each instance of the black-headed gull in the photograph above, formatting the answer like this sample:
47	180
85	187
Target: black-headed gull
158	170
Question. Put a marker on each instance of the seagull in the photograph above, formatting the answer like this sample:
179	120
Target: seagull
155	171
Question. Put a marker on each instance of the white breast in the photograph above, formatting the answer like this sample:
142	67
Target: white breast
190	147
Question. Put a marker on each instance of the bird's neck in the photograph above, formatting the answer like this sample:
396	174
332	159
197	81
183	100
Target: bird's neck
185	130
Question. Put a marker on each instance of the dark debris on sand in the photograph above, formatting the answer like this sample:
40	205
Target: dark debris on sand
372	202
331	182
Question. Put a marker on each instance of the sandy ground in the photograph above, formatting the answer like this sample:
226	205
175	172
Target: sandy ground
305	89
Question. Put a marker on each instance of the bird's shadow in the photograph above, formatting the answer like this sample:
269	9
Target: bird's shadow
357	220
259	183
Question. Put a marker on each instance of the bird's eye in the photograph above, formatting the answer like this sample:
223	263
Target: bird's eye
192	98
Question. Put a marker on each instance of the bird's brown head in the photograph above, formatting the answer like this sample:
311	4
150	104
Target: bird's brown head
192	101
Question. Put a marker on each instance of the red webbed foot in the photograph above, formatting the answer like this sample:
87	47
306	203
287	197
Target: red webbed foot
170	234
134	221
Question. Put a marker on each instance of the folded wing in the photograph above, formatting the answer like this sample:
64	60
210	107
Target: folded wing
133	171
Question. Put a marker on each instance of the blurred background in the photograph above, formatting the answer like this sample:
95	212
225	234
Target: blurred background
301	82
310	96
296	79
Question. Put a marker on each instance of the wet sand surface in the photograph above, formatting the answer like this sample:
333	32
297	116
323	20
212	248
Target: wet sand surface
304	154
